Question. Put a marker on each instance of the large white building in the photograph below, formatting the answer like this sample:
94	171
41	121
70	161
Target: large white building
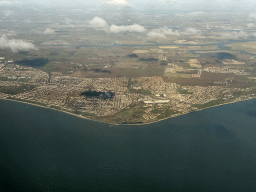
156	101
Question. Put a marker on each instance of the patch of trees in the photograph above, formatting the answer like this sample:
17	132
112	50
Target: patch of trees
132	56
163	63
98	94
149	59
98	70
40	62
101	71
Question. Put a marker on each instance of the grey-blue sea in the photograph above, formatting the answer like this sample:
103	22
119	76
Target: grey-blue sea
47	150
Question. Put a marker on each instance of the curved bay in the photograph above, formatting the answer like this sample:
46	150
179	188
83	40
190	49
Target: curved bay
47	150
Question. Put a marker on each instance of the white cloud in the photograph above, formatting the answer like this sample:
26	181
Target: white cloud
99	23
9	3
198	13
156	34
250	25
68	21
15	45
171	32
165	31
5	2
191	31
235	1
161	32
236	35
169	1
129	28
49	31
121	3
253	15
7	13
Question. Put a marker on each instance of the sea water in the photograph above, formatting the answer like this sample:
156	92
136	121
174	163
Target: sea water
47	150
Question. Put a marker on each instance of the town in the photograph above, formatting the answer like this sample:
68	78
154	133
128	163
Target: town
154	97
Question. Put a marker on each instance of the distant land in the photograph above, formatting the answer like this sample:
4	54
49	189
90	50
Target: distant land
121	71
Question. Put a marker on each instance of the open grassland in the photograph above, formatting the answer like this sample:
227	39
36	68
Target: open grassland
214	47
127	64
248	46
163	112
168	47
217	51
13	90
210	104
133	114
206	79
190	55
194	63
177	75
142	72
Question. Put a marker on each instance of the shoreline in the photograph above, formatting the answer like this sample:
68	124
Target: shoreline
112	124
51	109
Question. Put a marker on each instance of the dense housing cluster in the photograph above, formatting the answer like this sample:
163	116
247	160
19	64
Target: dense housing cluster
111	95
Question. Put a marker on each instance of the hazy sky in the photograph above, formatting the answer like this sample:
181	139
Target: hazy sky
141	4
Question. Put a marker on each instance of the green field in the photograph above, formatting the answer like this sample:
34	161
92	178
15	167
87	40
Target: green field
13	90
181	91
23	80
6	79
130	115
164	112
85	114
210	104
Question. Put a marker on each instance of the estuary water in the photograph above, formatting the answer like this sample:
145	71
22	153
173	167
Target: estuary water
47	150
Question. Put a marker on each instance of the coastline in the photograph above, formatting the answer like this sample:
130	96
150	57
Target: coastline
112	124
51	109
193	111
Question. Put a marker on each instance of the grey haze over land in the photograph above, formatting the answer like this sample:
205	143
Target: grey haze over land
121	16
